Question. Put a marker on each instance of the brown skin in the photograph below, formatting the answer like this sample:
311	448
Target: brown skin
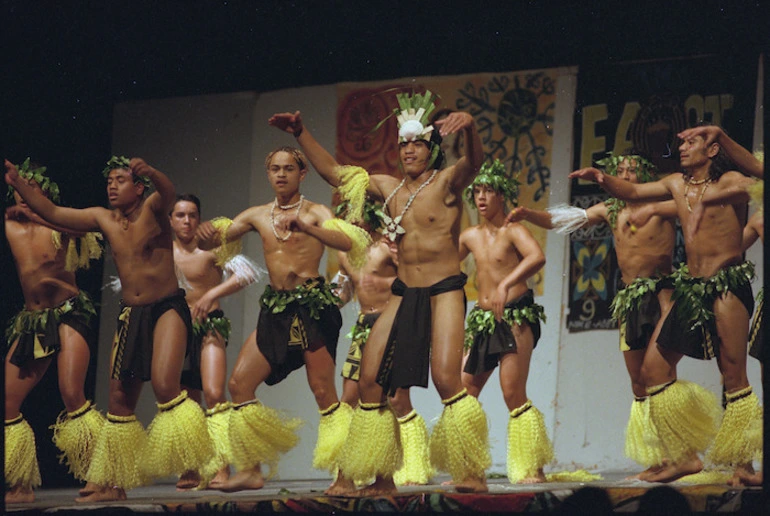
428	253
754	230
644	237
289	264
742	157
716	244
45	284
371	285
506	256
139	235
207	288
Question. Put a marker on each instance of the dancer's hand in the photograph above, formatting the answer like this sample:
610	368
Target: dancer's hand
289	122
207	235
454	122
588	174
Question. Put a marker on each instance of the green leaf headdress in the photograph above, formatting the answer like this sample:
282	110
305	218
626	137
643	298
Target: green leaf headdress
371	215
646	171
37	175
117	162
493	175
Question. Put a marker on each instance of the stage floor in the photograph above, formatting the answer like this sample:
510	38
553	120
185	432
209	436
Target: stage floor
307	496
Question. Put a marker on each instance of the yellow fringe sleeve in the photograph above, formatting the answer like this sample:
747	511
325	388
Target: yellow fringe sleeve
459	444
75	434
352	188
358	237
373	446
119	449
414	441
260	434
90	249
332	431
178	439
226	250
736	443
529	448
56	239
642	443
21	468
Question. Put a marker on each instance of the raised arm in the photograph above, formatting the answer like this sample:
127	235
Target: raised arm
68	219
741	156
319	157
163	203
654	191
469	165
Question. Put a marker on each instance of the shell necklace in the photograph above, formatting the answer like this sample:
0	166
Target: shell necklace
690	181
393	225
297	205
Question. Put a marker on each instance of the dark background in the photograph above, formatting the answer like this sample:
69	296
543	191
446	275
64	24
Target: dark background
66	64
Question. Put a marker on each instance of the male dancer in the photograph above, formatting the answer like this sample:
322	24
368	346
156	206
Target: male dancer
425	317
55	322
206	367
712	292
153	331
371	285
644	255
299	322
504	326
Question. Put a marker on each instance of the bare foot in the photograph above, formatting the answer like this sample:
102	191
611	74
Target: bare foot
745	476
87	489
472	485
448	483
415	484
342	486
188	480
539	478
103	494
243	480
220	478
652	470
19	494
675	471
380	487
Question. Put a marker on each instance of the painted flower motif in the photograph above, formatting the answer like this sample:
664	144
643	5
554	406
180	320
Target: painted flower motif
392	227
590	276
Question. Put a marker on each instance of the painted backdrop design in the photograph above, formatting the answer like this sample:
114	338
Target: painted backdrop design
643	106
513	114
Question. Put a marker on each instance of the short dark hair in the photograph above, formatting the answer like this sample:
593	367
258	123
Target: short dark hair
189	198
295	153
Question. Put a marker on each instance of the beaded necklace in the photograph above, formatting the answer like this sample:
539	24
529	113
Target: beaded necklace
297	205
393	226
690	181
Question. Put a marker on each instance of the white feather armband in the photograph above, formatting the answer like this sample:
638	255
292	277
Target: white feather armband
245	270
566	219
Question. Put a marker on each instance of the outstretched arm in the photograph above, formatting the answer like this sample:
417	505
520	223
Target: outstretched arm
742	157
537	217
210	237
468	166
730	189
68	219
163	186
641	216
655	191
